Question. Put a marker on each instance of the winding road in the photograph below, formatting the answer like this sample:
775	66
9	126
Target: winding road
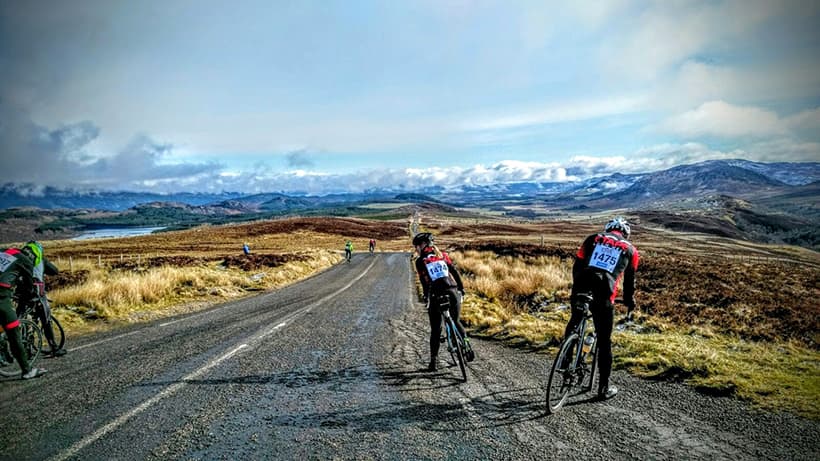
331	368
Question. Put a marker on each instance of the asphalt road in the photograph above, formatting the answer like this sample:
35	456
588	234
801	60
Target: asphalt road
331	368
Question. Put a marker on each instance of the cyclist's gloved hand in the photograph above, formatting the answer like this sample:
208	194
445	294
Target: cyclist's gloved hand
40	288
630	308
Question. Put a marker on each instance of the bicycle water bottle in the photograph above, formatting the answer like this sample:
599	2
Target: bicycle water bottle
588	342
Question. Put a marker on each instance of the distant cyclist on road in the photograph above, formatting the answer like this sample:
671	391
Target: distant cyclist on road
16	268
348	250
372	245
600	262
439	279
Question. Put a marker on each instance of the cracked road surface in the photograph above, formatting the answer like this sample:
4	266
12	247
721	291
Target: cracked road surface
332	368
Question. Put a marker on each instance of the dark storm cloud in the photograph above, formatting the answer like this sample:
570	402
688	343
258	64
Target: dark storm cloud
40	156
299	159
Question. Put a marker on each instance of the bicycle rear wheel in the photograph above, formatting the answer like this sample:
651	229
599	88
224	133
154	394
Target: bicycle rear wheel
562	374
459	350
590	364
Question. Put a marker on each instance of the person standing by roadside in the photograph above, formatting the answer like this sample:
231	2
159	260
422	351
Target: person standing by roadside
600	263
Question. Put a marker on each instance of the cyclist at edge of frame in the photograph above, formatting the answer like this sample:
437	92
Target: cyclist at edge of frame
600	263
16	268
43	267
439	278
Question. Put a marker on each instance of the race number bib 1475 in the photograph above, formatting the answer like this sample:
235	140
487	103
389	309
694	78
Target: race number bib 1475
605	257
437	269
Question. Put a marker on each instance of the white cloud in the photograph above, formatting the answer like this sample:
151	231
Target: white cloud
719	118
808	120
665	34
558	113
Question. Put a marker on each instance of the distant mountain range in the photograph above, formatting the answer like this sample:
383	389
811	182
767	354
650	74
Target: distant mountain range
740	178
738	198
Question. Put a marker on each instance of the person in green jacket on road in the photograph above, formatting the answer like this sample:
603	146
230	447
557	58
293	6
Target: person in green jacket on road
348	250
42	267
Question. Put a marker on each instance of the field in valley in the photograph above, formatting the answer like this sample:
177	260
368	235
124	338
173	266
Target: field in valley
729	317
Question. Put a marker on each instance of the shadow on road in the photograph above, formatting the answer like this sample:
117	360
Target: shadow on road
408	397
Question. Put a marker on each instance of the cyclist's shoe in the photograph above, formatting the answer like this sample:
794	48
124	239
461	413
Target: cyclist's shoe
469	354
33	373
432	366
607	392
58	353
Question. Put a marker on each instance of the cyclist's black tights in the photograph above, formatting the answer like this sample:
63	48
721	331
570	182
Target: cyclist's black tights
602	316
435	319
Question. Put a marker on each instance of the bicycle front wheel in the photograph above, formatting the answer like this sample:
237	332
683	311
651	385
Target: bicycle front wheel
59	333
562	374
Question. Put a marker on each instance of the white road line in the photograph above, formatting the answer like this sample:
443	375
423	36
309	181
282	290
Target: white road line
172	389
104	340
74	449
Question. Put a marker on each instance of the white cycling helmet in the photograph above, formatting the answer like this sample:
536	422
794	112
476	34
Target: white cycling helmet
620	224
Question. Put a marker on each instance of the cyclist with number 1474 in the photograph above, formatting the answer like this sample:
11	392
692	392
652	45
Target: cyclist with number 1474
442	285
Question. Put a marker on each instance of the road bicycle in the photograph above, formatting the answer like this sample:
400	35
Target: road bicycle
33	308
32	337
574	365
453	340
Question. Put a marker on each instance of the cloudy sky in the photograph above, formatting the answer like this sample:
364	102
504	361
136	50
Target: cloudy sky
327	96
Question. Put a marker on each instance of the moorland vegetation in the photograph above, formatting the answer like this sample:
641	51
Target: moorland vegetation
729	317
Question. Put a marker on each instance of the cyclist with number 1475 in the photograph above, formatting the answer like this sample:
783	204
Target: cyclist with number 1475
602	260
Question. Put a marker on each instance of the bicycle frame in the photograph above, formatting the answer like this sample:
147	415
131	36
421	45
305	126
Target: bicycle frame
454	340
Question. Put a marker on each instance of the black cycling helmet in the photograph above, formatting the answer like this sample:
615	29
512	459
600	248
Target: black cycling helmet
620	224
422	238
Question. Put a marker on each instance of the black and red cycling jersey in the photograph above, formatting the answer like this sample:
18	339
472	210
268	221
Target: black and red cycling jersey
437	273
606	255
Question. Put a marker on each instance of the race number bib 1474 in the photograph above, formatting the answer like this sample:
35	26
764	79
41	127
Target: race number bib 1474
437	269
605	257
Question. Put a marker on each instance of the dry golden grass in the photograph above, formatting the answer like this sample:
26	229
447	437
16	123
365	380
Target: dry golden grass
514	282
519	300
122	296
